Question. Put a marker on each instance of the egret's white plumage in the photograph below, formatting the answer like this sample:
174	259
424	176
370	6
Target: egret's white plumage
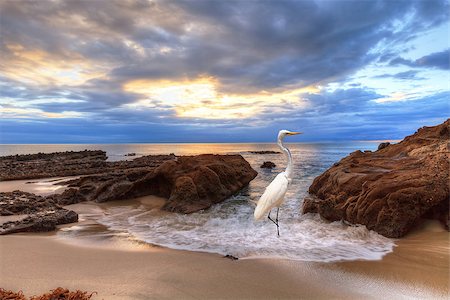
274	194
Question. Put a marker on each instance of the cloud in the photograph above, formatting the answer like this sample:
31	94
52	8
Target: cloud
439	60
266	62
406	75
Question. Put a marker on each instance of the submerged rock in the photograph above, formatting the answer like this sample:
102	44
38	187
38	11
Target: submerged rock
268	165
389	190
265	152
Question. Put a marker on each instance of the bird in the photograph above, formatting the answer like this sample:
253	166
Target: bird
274	194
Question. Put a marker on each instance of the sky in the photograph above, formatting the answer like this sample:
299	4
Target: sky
221	71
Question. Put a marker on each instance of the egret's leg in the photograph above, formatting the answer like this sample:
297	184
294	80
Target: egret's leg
271	218
276	223
278	227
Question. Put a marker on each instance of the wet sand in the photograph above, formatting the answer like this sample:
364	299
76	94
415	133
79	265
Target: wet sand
418	268
41	186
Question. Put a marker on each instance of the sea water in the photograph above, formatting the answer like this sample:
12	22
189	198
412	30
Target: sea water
228	228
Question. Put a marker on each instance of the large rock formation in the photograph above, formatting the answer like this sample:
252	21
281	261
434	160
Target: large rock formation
190	183
389	190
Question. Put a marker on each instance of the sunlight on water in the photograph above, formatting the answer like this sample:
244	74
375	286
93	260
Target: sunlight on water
229	228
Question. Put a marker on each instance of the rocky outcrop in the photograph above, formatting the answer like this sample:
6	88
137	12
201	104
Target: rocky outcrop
389	190
70	163
190	183
35	213
268	165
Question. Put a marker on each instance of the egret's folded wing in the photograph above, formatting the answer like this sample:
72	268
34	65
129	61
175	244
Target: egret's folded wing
271	196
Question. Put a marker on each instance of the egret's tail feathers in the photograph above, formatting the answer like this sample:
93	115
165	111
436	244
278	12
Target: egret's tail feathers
259	212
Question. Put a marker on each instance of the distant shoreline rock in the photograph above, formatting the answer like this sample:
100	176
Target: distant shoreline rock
69	163
389	190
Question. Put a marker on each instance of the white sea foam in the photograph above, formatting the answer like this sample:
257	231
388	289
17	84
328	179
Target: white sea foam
229	229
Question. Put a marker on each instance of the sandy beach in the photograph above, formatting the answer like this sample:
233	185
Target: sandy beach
122	269
40	262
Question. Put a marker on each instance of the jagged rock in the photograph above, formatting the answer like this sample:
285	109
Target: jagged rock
190	183
268	165
389	190
40	222
18	202
41	214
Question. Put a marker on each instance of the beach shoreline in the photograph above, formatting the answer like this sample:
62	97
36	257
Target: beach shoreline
36	263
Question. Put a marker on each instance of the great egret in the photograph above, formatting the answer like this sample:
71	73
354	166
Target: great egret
273	196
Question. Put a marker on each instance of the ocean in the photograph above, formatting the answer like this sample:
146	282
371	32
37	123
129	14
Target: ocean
228	228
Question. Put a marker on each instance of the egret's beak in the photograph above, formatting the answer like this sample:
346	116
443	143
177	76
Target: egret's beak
294	133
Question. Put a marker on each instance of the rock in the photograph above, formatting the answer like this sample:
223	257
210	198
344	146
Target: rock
383	145
70	163
389	190
43	214
268	165
190	183
130	154
265	152
18	202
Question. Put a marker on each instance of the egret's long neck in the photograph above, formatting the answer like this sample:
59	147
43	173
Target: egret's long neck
289	170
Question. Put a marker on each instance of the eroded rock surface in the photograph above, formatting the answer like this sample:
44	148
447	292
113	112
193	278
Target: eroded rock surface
190	183
389	190
35	213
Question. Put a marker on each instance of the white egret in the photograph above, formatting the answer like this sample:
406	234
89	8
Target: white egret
273	196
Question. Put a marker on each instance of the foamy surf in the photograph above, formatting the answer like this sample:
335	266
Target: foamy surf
229	229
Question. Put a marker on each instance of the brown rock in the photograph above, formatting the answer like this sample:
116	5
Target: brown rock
389	190
190	183
41	214
268	165
70	163
383	145
265	152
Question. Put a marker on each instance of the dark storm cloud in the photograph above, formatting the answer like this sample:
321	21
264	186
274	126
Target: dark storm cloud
439	60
